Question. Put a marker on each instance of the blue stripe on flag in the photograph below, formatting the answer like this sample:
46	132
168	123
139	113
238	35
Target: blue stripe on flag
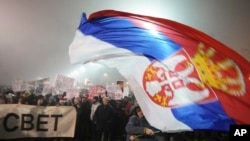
122	33
206	115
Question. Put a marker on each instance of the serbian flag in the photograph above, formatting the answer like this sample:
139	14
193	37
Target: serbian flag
182	78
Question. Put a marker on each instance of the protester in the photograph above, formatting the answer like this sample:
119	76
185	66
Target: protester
2	101
41	101
105	120
104	117
138	128
85	109
95	104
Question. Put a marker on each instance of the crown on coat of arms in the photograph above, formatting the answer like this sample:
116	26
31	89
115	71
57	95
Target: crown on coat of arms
218	72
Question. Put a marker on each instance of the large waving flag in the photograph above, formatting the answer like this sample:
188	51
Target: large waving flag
182	78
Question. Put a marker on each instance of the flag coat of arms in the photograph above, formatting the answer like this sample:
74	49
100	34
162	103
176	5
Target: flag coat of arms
182	78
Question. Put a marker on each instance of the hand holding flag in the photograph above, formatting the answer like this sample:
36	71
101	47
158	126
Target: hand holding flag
149	132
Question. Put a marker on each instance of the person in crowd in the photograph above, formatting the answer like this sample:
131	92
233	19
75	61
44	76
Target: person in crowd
77	104
125	109
95	104
51	101
116	130
2	100
20	100
31	99
58	98
62	102
69	102
104	119
134	104
41	101
85	110
10	98
127	106
138	128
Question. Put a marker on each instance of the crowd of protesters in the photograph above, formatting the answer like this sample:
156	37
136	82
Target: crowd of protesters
100	118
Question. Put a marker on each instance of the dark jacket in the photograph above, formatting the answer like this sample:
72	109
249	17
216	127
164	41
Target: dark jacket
135	126
104	117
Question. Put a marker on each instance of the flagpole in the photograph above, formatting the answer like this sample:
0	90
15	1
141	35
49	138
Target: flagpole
137	136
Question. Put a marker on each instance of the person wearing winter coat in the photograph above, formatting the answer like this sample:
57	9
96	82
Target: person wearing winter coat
104	119
138	128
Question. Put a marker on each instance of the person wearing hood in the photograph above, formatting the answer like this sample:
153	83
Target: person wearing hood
138	128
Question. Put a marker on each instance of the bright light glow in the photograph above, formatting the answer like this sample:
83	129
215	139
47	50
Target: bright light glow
82	68
151	28
71	75
75	73
39	78
86	81
105	74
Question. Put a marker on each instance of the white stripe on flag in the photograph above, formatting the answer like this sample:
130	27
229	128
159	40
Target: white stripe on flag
132	68
88	48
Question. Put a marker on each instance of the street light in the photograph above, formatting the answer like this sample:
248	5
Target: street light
104	79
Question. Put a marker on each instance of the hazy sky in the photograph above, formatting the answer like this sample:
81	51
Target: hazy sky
35	34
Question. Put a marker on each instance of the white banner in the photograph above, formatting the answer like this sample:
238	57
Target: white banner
114	92
21	121
72	92
39	85
17	85
64	82
96	91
